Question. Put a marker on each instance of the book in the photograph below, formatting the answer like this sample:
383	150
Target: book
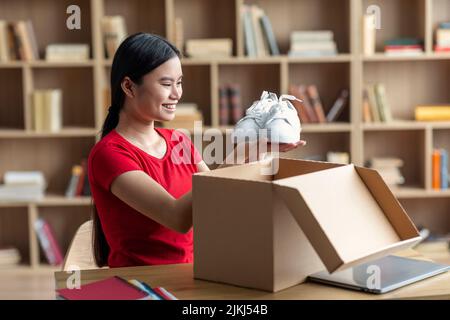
235	104
316	103
338	157
114	32
4	44
299	106
178	37
269	36
249	33
367	113
24	178
209	48
67	52
71	189
386	162
436	170
373	103
48	242
303	95
9	256
261	46
47	110
311	36
113	288
384	108
338	106
444	168
432	113
224	110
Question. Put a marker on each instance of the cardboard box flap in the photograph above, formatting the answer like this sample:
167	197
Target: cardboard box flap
340	216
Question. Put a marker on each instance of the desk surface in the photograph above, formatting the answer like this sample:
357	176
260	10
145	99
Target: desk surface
179	280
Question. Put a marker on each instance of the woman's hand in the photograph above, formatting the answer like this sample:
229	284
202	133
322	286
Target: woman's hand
256	150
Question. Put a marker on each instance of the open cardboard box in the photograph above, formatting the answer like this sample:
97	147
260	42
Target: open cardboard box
270	232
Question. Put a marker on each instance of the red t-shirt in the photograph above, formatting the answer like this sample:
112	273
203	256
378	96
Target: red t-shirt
135	239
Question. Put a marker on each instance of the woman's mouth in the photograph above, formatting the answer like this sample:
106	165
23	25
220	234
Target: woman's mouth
170	107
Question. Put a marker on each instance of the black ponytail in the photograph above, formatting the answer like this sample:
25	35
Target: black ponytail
136	56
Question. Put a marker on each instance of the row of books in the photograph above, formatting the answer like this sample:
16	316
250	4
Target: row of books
46	113
230	104
209	48
23	186
442	37
432	113
114	31
185	117
115	288
312	43
18	41
376	107
47	241
67	52
389	169
259	38
78	183
311	110
330	156
439	165
9	256
403	47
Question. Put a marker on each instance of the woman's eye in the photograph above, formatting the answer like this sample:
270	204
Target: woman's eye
179	83
166	84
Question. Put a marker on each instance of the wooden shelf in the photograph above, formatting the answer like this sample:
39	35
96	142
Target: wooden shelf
62	64
49	201
417	192
64	133
394	125
425	56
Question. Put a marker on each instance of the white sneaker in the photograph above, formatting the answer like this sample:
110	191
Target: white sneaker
255	118
282	123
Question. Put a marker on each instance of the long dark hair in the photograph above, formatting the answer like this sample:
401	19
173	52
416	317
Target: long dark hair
136	56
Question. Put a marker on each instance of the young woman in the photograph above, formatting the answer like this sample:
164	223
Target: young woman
143	203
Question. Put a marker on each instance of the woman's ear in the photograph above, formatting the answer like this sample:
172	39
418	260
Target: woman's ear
128	87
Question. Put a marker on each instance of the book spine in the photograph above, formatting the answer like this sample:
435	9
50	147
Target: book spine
303	115
234	96
317	103
48	242
249	33
444	169
367	117
436	168
224	110
303	95
338	106
269	35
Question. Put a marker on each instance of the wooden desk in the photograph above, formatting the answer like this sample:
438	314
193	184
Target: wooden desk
179	280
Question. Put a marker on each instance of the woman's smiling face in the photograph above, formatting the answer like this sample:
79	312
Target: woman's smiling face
158	94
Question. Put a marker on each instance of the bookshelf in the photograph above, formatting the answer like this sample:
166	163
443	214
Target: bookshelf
408	80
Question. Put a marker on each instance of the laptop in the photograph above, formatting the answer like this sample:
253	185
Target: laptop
381	275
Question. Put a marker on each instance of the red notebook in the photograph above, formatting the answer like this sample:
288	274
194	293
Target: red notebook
114	288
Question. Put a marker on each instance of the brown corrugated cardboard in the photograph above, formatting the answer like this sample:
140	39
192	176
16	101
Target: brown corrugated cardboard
271	232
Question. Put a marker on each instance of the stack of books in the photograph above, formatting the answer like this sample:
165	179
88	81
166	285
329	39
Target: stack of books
389	169
46	110
376	107
440	174
443	38
115	288
259	37
403	47
209	48
312	44
23	186
9	256
67	52
18	41
114	32
185	117
311	110
230	105
338	157
78	183
48	243
432	113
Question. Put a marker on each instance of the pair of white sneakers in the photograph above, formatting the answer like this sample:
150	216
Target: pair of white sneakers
276	115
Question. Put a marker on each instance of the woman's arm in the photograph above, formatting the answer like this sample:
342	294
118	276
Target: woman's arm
145	195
